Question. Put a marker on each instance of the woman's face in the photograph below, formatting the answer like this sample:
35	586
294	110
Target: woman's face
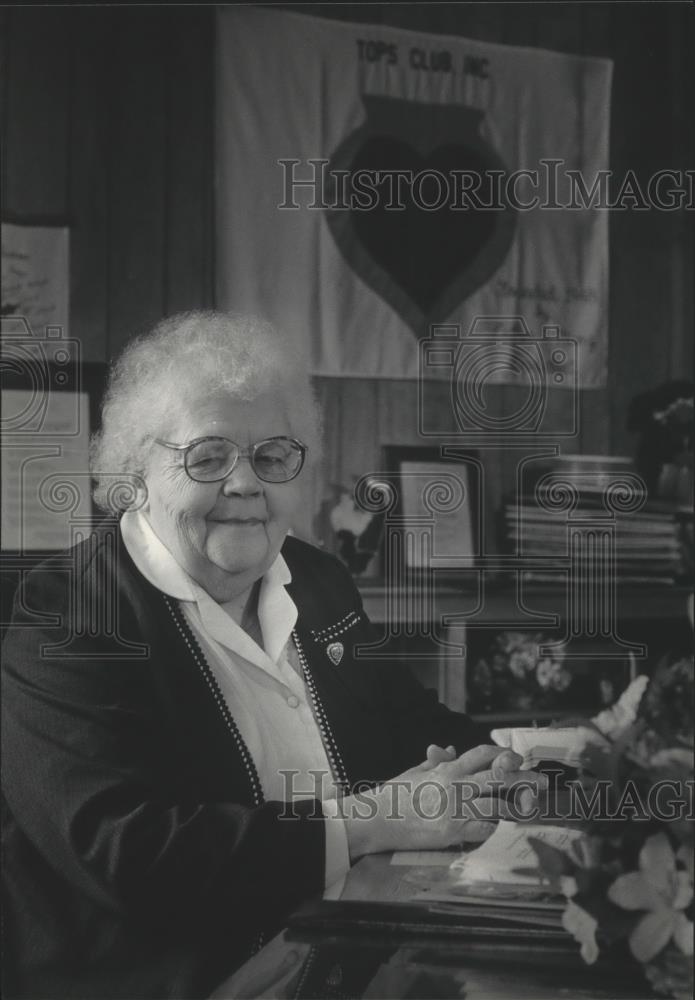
226	534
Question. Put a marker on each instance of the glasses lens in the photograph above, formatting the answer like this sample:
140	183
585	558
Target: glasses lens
210	460
278	460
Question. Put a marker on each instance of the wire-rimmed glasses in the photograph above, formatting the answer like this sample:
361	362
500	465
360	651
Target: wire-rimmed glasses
211	459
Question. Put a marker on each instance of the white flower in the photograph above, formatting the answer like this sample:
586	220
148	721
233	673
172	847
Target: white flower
664	892
582	926
614	721
672	755
544	673
521	662
568	886
560	678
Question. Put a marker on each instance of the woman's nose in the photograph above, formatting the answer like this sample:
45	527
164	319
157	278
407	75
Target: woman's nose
242	479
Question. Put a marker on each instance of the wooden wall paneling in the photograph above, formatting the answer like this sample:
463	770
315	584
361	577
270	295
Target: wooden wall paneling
37	108
480	21
415	17
189	158
513	24
321	475
353	12
487	22
359	443
5	35
596	38
681	85
138	171
397	414
558	28
90	158
640	308
597	30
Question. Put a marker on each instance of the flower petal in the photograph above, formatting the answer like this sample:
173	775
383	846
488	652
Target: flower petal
632	892
672	755
651	934
685	855
657	862
582	926
614	721
568	886
683	934
683	891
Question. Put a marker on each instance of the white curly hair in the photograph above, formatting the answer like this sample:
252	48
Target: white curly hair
184	358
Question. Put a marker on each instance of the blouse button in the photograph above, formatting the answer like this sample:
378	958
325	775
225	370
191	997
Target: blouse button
293	701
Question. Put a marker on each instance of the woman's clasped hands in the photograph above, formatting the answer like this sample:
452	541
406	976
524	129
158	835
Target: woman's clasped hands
443	801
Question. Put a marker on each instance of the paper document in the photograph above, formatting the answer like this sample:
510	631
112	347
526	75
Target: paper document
506	850
424	859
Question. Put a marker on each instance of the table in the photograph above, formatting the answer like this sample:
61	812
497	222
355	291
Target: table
384	965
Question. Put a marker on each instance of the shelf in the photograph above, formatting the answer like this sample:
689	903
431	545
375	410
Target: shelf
499	606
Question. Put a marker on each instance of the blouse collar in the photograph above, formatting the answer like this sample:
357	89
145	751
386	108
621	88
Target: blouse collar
277	612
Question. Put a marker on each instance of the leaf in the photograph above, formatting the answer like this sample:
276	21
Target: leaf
553	861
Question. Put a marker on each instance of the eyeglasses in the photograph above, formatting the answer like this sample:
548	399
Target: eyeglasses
211	459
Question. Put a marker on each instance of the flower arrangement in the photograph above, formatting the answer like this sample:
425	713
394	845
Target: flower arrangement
663	419
629	881
513	674
677	421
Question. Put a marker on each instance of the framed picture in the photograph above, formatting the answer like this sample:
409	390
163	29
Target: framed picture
436	517
50	405
49	409
509	679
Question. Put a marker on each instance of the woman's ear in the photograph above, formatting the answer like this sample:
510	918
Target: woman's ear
139	496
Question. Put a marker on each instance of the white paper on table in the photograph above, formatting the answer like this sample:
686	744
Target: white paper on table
423	859
565	745
507	849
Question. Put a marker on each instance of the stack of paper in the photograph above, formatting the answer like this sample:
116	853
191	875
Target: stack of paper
648	546
508	849
486	884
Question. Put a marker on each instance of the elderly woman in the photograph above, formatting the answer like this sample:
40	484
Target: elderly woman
185	716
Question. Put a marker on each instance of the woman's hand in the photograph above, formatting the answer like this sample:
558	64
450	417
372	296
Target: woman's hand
441	802
437	755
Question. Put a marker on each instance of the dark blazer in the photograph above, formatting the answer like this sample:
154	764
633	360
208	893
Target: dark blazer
140	857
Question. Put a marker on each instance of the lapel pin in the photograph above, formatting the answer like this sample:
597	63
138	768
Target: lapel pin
335	652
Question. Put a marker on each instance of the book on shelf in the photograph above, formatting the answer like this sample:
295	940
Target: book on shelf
647	544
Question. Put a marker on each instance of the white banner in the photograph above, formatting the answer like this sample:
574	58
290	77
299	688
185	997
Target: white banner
372	182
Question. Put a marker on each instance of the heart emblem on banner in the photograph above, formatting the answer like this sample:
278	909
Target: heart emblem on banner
335	652
423	261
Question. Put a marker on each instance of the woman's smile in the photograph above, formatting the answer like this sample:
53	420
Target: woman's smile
227	533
